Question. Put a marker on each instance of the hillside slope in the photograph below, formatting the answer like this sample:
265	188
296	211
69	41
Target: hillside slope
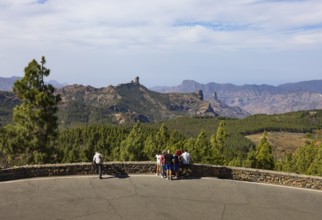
125	103
259	99
132	101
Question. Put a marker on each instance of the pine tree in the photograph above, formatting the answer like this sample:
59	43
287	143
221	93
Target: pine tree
202	150
316	166
250	161
264	156
189	145
34	127
221	136
174	142
304	157
132	147
286	164
217	144
162	137
150	149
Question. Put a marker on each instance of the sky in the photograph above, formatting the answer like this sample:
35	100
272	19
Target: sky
108	42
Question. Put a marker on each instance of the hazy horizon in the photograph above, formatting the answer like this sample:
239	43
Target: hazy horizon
204	83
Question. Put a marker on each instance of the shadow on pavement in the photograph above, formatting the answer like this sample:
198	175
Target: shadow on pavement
119	176
188	178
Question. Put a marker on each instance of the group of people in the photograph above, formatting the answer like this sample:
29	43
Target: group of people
169	165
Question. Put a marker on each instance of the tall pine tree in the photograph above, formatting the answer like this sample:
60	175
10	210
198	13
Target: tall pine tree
264	156
35	124
217	143
162	137
132	148
202	150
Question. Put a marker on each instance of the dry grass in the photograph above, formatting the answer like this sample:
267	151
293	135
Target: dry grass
281	142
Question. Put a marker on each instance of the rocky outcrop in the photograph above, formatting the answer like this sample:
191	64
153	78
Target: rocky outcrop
225	110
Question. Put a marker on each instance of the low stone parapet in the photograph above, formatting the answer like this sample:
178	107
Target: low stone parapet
197	170
257	175
112	168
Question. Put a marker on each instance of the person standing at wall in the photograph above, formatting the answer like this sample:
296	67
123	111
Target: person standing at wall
158	168
98	162
185	162
176	163
163	170
168	164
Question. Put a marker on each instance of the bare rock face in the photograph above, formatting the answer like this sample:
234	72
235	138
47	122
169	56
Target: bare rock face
225	110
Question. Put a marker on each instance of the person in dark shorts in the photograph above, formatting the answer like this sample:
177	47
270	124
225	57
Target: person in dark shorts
168	164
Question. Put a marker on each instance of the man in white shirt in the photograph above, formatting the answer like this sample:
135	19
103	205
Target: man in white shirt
98	162
185	162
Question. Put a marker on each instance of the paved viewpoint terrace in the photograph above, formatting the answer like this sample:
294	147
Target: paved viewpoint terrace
150	197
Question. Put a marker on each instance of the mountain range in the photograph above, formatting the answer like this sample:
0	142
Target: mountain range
6	84
132	101
125	103
258	99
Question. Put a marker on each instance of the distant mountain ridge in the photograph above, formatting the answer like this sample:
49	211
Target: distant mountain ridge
258	99
125	103
310	86
6	84
133	101
226	100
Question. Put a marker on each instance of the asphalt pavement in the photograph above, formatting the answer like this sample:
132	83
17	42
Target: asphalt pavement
150	197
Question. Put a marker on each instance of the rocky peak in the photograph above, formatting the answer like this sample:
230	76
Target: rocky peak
200	94
136	80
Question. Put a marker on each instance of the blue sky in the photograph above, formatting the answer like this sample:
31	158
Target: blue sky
104	42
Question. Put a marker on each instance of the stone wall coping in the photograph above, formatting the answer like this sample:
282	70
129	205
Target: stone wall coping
261	171
74	164
150	162
148	167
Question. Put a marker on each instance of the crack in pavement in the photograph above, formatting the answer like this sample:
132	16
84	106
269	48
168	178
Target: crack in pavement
223	212
97	195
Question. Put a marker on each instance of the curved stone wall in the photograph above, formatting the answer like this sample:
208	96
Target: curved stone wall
197	170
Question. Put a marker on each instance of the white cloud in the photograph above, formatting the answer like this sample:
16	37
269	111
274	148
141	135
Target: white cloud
158	26
145	23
